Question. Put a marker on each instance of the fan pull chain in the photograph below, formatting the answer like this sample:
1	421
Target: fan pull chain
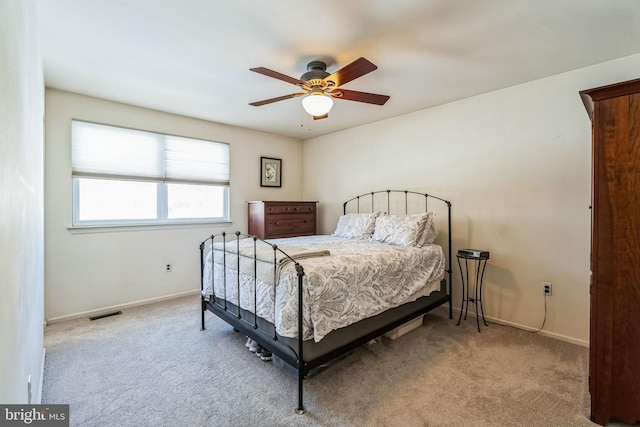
302	115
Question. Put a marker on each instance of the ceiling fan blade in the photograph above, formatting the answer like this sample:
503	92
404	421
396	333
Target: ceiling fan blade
354	95
324	116
279	98
357	68
276	75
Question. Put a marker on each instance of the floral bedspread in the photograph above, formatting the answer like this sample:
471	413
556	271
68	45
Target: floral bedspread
359	279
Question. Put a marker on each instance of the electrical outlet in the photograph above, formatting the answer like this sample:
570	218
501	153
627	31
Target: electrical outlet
546	288
168	267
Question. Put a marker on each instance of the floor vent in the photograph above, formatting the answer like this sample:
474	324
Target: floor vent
102	316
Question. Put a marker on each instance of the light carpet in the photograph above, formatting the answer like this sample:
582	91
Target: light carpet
152	366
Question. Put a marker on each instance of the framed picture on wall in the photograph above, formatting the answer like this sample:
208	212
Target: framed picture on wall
270	172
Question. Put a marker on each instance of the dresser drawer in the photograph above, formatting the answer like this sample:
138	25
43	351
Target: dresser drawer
290	209
286	224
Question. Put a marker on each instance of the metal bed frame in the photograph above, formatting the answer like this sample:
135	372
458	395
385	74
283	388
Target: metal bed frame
252	326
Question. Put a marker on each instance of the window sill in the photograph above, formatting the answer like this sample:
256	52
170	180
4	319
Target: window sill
106	228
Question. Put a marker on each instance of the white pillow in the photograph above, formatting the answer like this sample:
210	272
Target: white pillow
356	225
429	232
402	230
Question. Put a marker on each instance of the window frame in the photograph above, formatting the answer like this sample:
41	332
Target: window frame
162	202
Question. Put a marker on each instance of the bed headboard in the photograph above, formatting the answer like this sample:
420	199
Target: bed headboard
392	202
407	202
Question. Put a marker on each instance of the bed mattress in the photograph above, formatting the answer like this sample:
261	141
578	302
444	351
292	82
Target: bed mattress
346	281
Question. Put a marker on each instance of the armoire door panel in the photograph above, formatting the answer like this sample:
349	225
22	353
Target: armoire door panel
614	357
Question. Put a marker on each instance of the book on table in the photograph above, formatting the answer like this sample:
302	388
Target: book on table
475	253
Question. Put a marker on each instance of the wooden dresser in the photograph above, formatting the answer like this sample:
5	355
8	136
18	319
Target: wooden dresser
271	220
614	357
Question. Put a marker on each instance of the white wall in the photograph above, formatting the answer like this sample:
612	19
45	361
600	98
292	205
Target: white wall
88	272
515	164
21	202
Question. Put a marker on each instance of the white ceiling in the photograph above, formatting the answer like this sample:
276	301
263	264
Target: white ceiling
192	57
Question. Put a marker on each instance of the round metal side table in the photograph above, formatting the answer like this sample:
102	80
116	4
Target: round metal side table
472	262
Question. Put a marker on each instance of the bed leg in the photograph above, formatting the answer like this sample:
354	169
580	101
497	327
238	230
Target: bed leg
450	294
300	409
202	309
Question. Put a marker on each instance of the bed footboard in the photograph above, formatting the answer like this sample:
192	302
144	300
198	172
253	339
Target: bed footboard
247	322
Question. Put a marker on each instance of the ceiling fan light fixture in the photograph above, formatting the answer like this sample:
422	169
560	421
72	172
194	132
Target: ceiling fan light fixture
317	103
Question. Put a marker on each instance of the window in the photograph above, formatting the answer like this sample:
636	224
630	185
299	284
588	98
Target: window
124	176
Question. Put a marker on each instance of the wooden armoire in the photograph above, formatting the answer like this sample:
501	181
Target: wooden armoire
614	355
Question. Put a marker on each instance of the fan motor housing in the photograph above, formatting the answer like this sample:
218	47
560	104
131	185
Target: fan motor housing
316	70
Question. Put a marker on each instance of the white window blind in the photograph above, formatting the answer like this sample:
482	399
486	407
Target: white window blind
100	151
195	161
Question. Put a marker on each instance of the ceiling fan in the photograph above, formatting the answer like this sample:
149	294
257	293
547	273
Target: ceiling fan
319	87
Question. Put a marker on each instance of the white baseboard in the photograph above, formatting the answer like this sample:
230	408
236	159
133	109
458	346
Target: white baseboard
104	310
554	335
